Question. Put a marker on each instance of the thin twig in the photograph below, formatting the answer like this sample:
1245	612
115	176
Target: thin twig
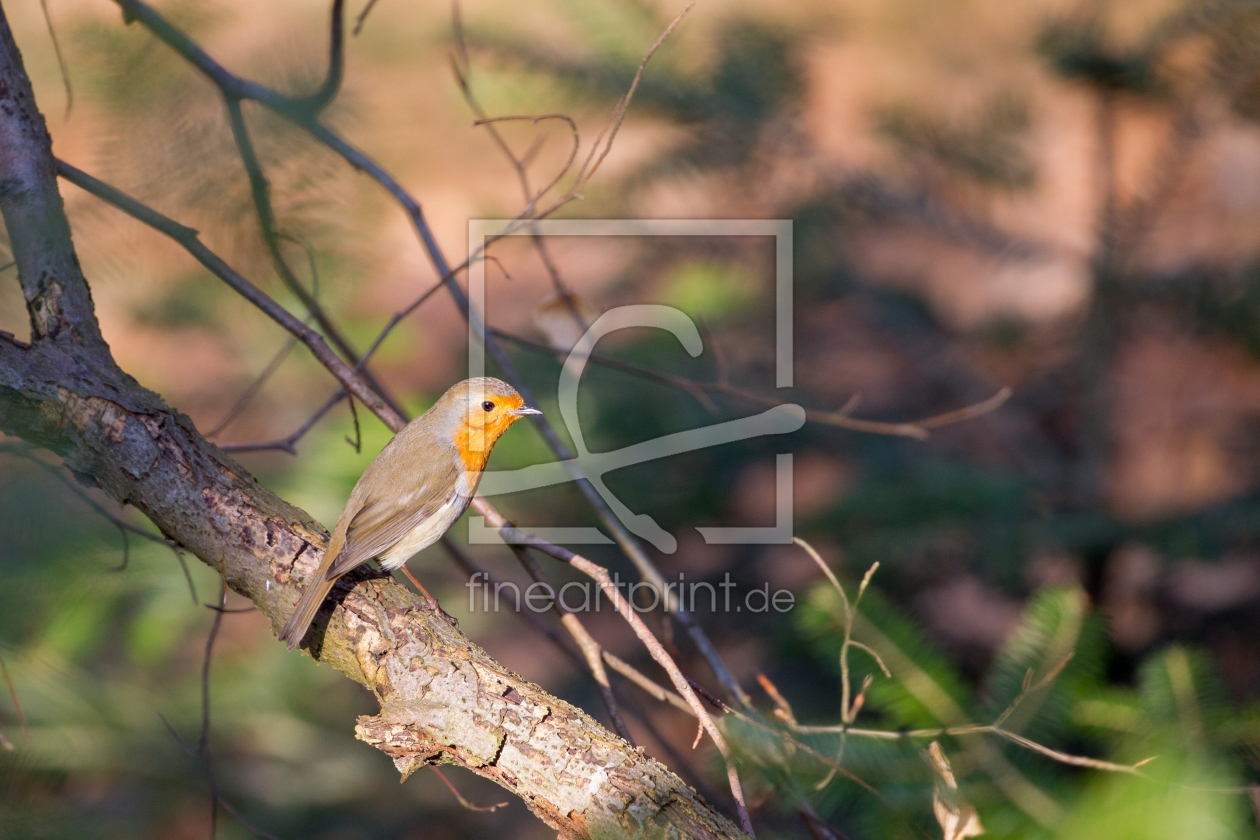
783	709
327	91
183	564
289	443
591	649
187	237
254	387
261	193
600	575
462	801
463	74
61	61
1031	687
917	429
17	704
532	198
250	827
463	77
235	87
357	443
203	742
202	750
587	172
126	541
358	21
652	688
646	683
23	450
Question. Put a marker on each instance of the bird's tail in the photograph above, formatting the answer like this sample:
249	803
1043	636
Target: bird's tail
295	628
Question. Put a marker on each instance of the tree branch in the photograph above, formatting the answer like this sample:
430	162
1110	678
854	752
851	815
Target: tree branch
187	237
443	699
234	87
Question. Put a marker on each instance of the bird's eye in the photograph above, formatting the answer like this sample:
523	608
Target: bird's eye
488	405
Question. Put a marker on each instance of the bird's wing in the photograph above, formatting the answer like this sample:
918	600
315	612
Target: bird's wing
381	523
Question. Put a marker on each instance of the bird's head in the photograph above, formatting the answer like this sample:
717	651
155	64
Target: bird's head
482	410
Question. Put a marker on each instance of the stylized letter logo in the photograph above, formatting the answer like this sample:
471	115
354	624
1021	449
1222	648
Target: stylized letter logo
592	466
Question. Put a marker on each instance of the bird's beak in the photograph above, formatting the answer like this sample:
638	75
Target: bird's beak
524	411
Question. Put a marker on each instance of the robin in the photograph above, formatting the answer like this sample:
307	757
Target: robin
415	489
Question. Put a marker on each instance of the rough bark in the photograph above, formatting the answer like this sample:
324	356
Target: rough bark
443	699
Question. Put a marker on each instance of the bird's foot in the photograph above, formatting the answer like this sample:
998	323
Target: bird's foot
433	602
450	619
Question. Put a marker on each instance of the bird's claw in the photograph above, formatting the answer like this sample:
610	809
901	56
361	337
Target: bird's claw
450	619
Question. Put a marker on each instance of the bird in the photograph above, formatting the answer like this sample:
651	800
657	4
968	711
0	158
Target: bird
415	489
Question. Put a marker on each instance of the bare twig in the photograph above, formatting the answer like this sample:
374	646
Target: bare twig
589	169
463	71
600	575
591	649
61	61
462	801
235	87
203	742
532	198
17	706
848	707
23	450
1031	687
254	387
289	443
782	709
969	413
359	21
357	443
614	662
187	237
261	192
646	683
327	91
463	77
917	429
250	827
202	750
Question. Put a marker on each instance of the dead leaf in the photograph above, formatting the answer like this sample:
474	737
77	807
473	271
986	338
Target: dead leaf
958	818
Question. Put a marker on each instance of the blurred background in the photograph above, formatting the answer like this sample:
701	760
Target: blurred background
1058	197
